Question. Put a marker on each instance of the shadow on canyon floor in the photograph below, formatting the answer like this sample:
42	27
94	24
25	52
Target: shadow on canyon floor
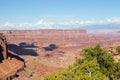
51	47
23	49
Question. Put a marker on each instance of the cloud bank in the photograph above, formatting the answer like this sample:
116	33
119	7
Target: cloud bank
63	24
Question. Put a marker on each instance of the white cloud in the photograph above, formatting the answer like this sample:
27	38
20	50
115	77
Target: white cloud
24	25
7	24
62	24
77	23
88	22
44	23
115	20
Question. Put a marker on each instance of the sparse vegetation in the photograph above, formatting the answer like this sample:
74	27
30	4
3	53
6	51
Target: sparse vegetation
97	64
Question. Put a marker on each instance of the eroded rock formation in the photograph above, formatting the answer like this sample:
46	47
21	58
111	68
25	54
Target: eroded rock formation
8	66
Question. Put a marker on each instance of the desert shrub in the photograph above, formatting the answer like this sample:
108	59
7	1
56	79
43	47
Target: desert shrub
118	49
89	70
104	59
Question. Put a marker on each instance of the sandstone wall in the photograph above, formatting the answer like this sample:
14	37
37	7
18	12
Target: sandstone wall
44	32
59	37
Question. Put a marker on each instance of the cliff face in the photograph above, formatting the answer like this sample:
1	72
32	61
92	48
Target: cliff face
9	65
45	32
46	37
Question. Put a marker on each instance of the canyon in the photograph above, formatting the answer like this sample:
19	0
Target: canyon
48	51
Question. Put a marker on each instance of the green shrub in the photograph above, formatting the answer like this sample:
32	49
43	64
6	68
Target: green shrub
118	49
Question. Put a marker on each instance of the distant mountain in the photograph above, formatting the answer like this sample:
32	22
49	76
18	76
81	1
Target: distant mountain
95	27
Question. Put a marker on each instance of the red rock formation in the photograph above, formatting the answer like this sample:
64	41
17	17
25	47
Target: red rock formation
3	46
8	66
45	32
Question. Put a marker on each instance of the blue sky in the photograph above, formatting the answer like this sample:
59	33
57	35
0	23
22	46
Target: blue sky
59	14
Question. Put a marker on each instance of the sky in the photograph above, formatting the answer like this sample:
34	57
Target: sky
59	14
